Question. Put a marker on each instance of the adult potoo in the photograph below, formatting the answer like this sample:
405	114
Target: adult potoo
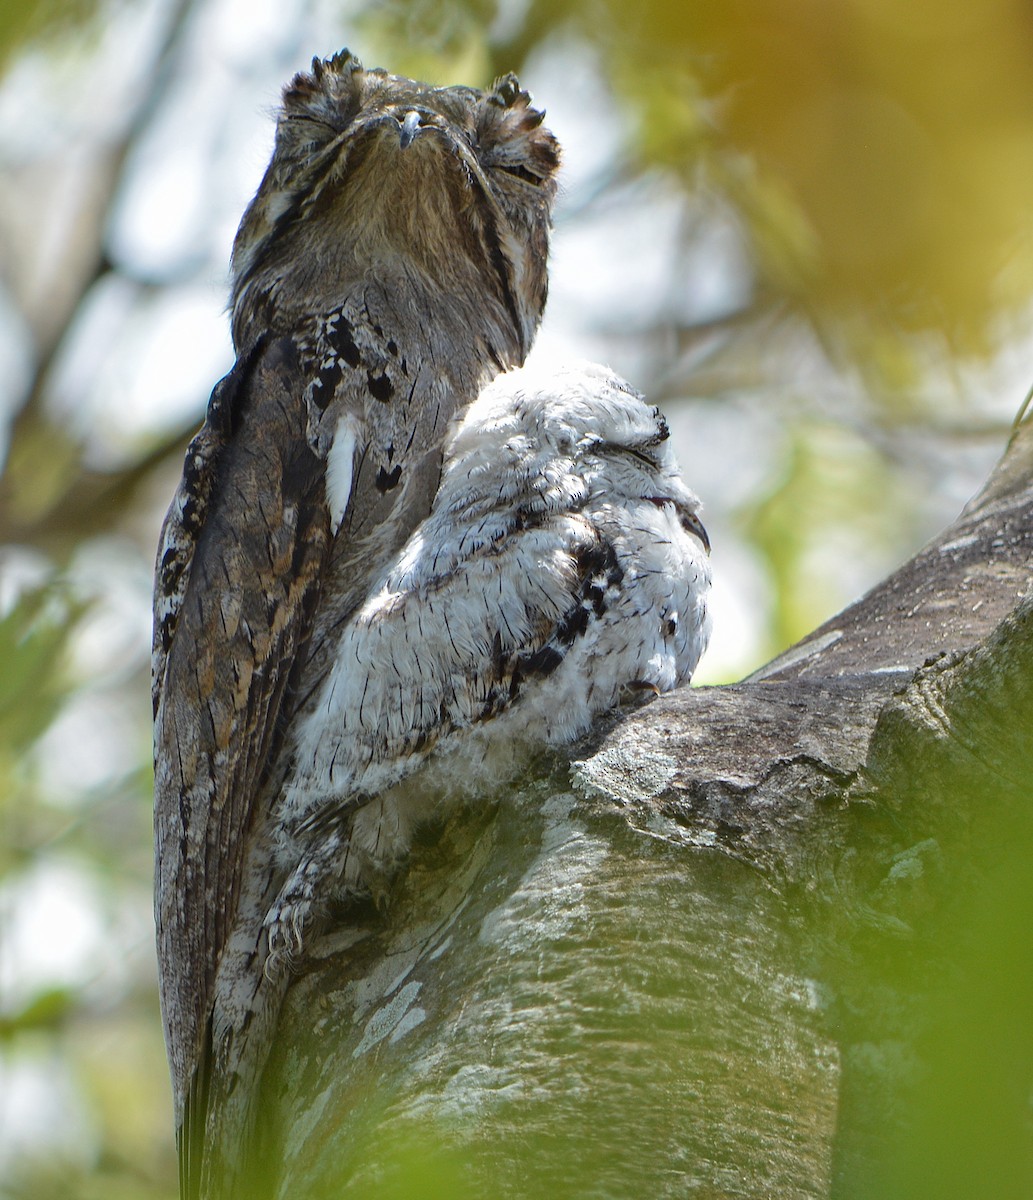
392	262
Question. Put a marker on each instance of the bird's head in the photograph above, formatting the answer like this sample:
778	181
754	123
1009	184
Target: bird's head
378	176
569	434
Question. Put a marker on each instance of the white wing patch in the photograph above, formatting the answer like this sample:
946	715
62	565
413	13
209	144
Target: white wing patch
340	469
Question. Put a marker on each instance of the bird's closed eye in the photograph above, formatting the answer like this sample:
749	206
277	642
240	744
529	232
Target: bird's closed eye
519	171
638	452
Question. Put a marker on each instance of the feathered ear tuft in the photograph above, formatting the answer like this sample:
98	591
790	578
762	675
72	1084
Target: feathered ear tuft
507	92
340	63
510	132
332	92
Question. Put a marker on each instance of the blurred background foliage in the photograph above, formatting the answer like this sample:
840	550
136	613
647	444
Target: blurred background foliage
801	225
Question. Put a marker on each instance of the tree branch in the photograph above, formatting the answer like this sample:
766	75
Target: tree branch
673	965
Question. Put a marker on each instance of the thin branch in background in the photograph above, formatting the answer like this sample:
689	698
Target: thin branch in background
31	424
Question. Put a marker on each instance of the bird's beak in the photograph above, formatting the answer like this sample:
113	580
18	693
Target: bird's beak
692	524
410	125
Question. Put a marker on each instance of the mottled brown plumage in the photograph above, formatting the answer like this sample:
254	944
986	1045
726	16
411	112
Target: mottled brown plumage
392	262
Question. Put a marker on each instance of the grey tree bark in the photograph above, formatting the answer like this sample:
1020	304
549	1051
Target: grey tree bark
741	943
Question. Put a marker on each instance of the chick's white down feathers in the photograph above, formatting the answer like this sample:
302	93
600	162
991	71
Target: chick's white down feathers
562	565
